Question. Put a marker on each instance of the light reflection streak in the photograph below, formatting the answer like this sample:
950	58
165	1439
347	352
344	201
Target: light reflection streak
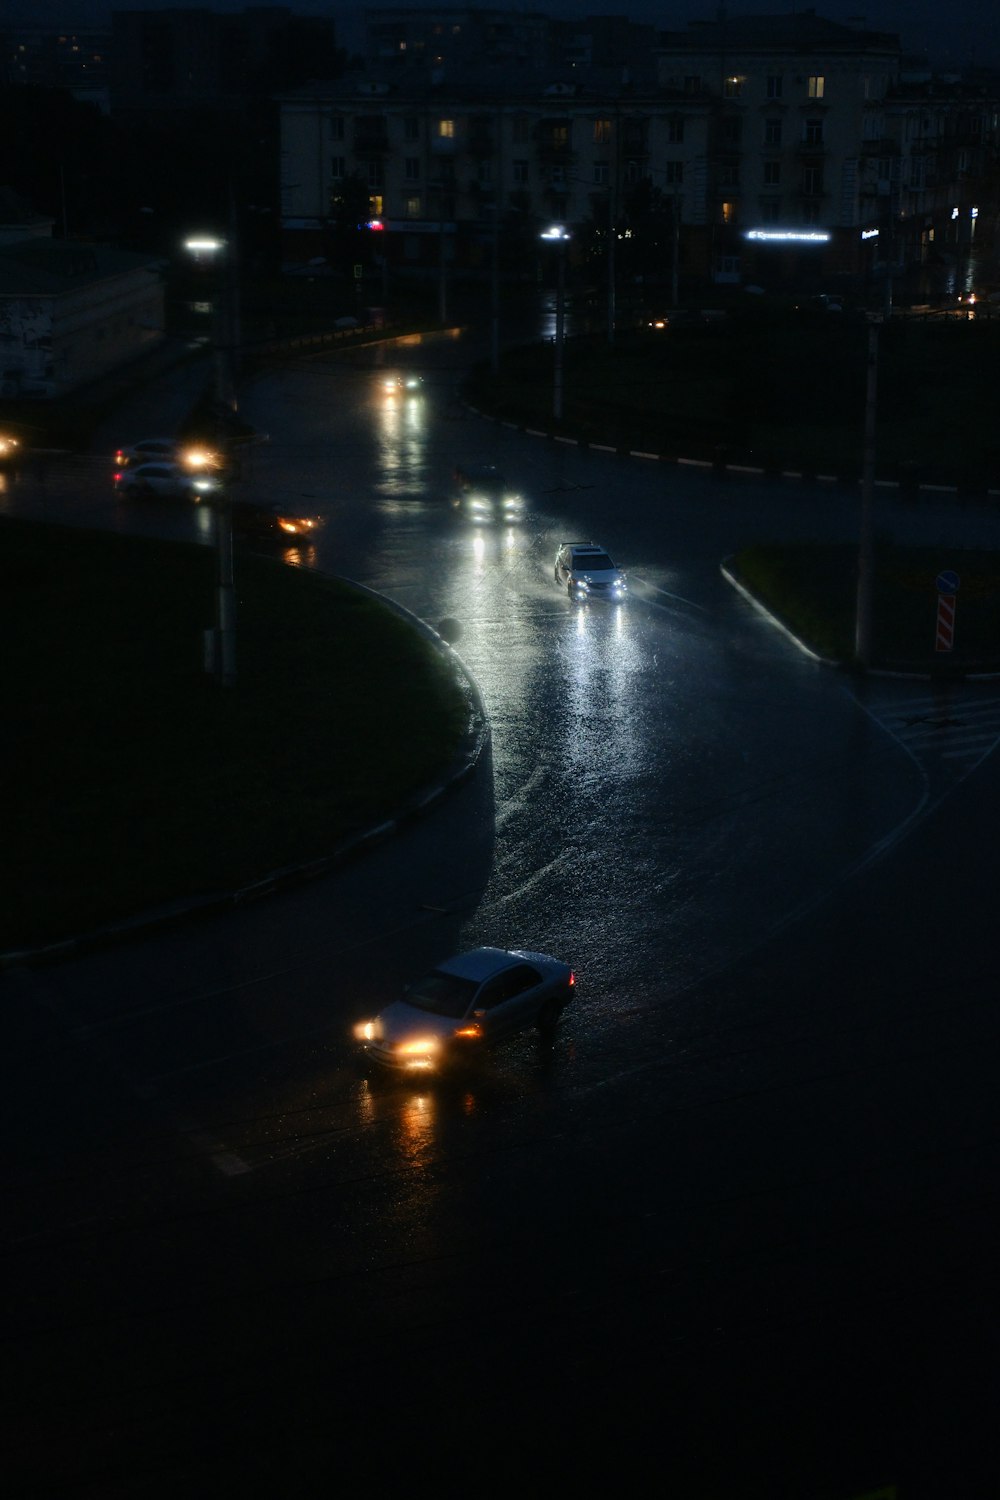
401	434
604	660
417	1134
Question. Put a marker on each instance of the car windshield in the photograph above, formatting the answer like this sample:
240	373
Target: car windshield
598	562
442	994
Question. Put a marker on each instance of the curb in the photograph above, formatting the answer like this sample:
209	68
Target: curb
208	904
832	661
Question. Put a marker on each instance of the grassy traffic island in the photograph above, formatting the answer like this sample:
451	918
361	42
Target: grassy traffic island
812	589
771	386
135	780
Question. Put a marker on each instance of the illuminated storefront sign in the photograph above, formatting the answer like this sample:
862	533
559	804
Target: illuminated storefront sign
789	236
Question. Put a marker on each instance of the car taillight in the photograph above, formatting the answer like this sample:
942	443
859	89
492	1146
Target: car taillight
572	979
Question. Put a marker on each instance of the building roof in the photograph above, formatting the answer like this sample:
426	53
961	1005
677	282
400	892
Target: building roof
804	31
480	85
42	267
17	213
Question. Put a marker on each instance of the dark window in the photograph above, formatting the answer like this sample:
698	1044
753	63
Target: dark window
505	986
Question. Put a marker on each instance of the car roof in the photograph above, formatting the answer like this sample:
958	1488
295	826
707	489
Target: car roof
480	963
580	549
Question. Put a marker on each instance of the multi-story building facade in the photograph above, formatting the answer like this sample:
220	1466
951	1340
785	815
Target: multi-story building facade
778	143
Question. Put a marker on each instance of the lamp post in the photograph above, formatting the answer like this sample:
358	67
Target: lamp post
560	236
214	472
864	620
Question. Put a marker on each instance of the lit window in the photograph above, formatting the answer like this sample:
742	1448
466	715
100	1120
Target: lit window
728	209
602	132
733	87
817	86
446	129
413	208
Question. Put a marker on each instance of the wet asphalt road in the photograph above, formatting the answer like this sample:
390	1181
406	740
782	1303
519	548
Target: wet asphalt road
736	1231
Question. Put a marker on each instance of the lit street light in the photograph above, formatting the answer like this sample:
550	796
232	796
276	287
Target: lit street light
560	236
213	467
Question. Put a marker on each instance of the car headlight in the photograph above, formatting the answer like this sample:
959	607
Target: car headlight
424	1046
581	584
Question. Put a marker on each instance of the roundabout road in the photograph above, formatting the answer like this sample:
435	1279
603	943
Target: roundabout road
737	1227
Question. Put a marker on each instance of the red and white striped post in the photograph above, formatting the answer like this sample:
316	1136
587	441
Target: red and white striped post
947	586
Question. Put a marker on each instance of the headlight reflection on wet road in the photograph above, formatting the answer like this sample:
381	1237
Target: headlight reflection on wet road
401	445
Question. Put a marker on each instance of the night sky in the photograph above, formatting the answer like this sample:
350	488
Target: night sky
952	35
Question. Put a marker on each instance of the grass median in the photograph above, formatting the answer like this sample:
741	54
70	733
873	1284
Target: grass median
136	780
812	589
773	388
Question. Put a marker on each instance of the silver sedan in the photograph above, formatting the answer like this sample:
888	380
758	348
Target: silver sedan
466	1003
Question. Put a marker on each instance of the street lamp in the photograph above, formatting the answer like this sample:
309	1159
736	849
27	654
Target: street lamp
212	468
559	235
864	618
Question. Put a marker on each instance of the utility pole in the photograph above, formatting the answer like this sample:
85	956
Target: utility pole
560	236
611	264
864	620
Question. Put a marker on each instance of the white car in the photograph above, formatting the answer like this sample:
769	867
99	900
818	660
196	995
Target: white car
148	450
163	480
588	572
464	1004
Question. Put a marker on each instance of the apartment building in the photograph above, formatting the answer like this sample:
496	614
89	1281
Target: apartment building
780	143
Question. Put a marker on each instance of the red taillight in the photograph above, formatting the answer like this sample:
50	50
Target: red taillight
572	979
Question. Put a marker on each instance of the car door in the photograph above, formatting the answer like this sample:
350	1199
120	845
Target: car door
509	1001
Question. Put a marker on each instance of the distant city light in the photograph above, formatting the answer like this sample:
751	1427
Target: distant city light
555	232
869	234
801	236
375	224
205	244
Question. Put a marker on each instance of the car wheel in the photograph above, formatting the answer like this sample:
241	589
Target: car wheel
548	1017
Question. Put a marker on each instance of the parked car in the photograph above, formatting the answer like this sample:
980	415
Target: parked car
483	495
587	571
148	450
165	481
464	1005
278	522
